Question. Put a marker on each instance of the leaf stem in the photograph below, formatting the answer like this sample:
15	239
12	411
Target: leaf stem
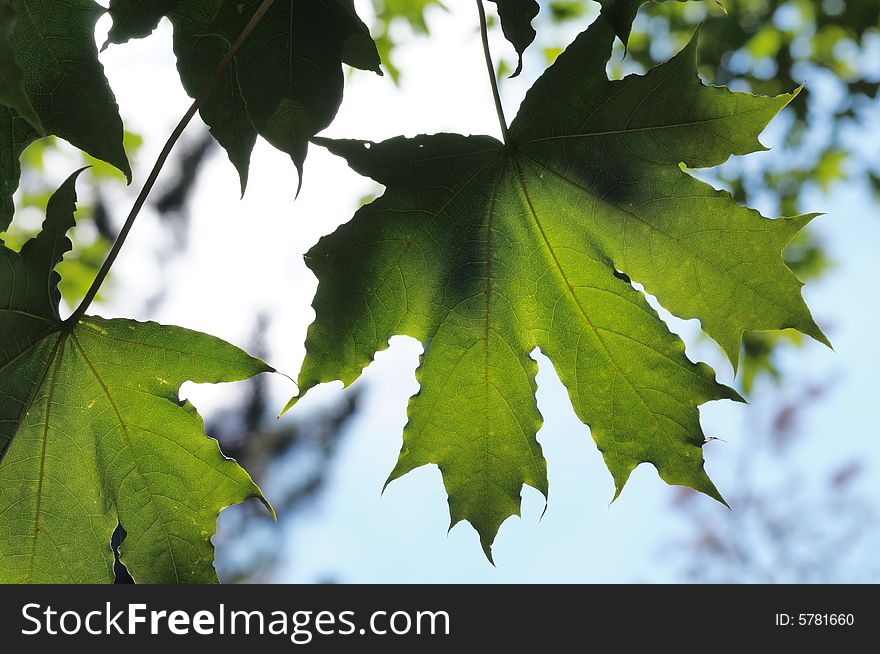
499	109
163	157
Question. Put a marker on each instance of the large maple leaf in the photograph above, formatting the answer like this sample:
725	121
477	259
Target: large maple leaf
92	434
484	251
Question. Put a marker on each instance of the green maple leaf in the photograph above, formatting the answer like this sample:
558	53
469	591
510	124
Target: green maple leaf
287	80
53	43
484	251
92	433
516	23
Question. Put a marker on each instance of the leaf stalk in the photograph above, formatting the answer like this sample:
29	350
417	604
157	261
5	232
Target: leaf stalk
499	109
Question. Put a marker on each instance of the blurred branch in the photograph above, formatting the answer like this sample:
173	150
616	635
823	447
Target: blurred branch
792	526
290	460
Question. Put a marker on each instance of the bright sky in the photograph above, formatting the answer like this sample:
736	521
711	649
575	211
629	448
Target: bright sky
246	257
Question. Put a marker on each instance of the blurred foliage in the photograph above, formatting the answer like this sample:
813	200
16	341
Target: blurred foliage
94	231
761	46
390	16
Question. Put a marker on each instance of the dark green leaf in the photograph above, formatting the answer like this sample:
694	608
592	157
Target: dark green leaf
360	51
54	46
516	23
286	82
54	43
199	51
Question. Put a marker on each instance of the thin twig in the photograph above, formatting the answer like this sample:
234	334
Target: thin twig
499	109
163	157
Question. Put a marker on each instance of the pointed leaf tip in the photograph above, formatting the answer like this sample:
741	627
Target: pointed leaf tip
290	404
516	24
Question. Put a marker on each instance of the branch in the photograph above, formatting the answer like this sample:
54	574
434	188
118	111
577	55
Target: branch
160	162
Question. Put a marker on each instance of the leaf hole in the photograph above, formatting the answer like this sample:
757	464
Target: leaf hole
120	572
622	276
